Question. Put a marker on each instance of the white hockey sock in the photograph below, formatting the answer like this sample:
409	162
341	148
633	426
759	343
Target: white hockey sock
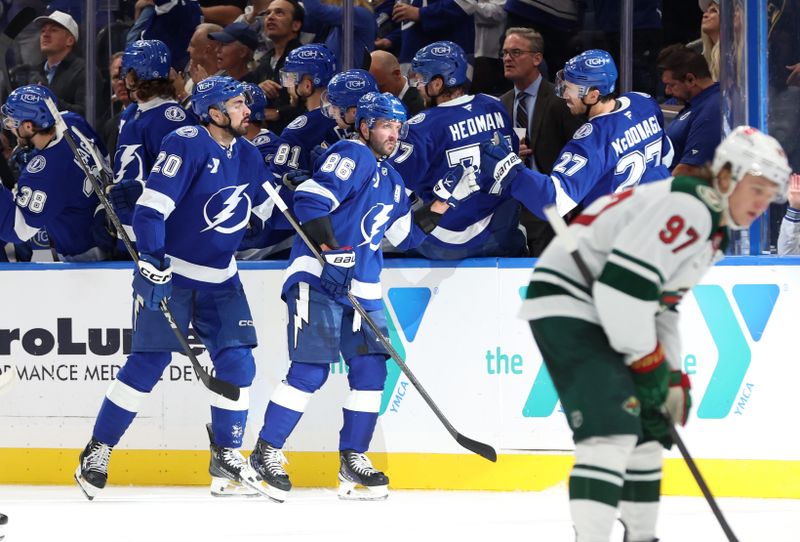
640	495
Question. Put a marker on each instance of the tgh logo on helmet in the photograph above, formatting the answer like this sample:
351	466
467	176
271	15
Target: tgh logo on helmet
307	54
30	98
596	62
203	86
355	85
441	50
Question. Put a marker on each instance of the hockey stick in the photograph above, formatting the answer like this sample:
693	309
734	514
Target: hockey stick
483	450
571	245
220	387
22	19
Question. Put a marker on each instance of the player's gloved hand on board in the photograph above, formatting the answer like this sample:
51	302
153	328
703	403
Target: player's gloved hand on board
651	378
499	160
294	178
316	152
679	398
457	185
338	271
123	196
152	280
103	231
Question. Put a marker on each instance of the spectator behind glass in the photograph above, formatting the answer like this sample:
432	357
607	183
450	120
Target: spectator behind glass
386	70
697	130
789	236
237	43
65	71
202	54
119	101
490	18
170	22
283	20
708	44
426	21
324	18
222	12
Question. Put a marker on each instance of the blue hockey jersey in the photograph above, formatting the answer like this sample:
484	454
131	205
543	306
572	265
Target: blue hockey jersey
611	152
366	201
442	137
54	194
196	205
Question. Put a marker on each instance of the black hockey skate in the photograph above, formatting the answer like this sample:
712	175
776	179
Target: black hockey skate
3	523
356	470
231	476
268	462
92	471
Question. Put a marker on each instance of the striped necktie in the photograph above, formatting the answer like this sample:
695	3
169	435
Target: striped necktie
522	111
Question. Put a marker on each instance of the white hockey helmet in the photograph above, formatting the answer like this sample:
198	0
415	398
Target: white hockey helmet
748	150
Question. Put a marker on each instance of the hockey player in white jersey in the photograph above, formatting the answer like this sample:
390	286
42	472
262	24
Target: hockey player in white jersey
612	345
354	199
623	143
189	221
447	134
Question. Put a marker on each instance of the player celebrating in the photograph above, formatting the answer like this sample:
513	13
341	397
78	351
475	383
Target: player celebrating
52	192
445	135
354	199
143	124
189	221
622	145
644	248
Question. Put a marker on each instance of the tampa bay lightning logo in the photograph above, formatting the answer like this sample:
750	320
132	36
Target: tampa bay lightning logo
262	139
187	131
416	119
297	123
175	113
37	164
228	210
373	223
583	131
129	163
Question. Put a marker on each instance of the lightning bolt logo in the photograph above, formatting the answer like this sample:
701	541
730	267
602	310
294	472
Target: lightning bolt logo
380	218
301	311
229	208
127	155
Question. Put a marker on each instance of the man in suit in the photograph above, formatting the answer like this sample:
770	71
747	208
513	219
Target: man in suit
539	113
386	70
65	71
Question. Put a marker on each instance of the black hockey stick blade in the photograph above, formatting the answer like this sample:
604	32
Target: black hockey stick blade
22	19
483	450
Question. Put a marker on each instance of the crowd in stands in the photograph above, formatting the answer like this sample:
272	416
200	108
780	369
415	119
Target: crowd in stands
515	50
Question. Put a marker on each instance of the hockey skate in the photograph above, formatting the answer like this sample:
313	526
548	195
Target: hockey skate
268	463
3	522
92	471
357	470
231	476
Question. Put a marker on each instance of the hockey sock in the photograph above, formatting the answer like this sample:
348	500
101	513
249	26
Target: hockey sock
641	492
367	377
595	484
289	400
229	418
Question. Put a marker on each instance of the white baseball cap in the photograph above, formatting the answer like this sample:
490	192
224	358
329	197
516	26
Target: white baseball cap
60	18
705	3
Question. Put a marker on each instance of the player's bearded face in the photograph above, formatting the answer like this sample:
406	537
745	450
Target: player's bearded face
239	114
383	136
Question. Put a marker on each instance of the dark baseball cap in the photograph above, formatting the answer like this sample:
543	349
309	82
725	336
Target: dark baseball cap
240	32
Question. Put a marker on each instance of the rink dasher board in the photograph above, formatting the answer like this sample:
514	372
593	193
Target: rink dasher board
456	326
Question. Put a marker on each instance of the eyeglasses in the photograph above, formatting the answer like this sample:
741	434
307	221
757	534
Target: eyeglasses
514	53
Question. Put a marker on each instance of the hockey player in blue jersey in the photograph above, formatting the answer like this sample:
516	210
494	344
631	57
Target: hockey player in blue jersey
623	143
353	201
52	192
447	134
155	113
189	221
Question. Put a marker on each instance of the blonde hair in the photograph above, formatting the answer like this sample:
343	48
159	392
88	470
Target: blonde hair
711	54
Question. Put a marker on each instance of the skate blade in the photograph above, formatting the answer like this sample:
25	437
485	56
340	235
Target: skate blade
272	493
88	489
224	488
348	492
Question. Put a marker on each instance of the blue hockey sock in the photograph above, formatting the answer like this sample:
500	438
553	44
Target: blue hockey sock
111	423
228	427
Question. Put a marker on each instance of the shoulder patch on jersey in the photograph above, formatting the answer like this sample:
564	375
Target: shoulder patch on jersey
262	139
175	113
36	164
416	119
583	131
299	122
187	131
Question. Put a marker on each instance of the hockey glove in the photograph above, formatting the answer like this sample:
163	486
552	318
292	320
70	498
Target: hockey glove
498	160
679	398
458	184
152	280
655	426
295	178
651	378
123	197
102	232
316	152
338	271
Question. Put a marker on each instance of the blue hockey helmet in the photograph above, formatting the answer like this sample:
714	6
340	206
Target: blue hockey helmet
149	59
591	69
441	58
374	106
314	60
214	91
27	103
259	102
345	90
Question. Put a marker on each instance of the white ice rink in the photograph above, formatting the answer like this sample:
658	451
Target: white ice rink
178	514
